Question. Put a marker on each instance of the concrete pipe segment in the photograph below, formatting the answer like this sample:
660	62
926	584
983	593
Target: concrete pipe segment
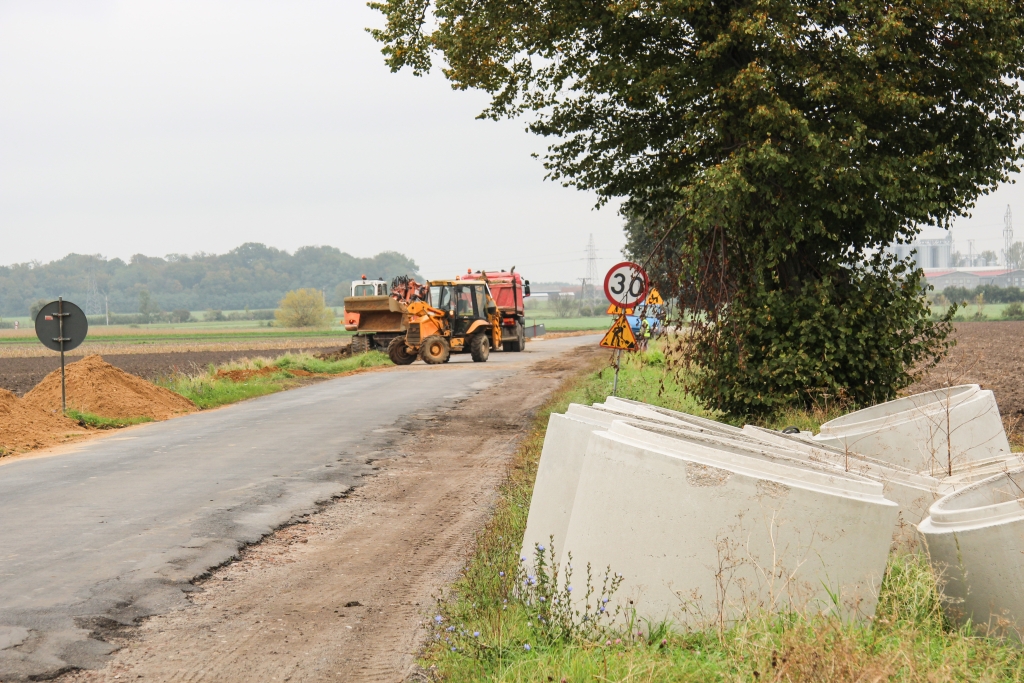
932	432
561	459
975	541
702	520
913	492
701	532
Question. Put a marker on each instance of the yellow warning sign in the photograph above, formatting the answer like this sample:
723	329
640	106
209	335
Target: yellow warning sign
620	336
654	298
615	310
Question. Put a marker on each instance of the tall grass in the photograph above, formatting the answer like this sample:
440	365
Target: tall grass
211	388
484	630
87	419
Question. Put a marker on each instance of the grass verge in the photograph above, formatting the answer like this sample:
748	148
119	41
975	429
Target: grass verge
99	422
249	378
484	629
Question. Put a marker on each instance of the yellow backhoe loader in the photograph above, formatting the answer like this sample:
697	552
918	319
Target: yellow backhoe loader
458	316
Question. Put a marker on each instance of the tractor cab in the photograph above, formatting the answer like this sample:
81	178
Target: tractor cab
463	303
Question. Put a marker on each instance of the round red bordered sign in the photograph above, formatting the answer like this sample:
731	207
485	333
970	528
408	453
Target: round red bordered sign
626	284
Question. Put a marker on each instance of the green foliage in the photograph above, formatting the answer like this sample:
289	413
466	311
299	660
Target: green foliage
36	306
992	294
1015	259
765	150
853	338
252	275
147	307
485	625
208	391
304	308
1014	311
213	388
100	422
308	363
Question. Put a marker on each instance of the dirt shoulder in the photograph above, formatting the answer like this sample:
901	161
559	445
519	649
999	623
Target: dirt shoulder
342	595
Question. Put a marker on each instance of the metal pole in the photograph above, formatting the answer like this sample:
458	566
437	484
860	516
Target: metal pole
63	390
615	382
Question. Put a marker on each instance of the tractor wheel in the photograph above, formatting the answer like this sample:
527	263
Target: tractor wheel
517	344
434	350
397	352
480	348
360	344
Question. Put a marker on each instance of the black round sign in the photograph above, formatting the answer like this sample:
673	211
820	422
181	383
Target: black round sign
48	325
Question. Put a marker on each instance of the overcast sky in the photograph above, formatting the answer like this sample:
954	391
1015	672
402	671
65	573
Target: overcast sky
185	126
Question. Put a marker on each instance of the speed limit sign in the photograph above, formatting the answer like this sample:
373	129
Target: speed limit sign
626	284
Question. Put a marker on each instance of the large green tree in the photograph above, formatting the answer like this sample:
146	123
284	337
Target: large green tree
767	152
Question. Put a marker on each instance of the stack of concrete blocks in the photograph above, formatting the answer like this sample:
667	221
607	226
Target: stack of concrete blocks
975	541
939	433
707	522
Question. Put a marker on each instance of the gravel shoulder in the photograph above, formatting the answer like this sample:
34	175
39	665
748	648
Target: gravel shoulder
343	593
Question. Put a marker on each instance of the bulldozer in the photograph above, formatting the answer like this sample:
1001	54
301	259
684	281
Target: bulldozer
458	316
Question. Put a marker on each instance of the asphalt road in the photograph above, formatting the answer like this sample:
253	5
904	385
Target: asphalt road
96	537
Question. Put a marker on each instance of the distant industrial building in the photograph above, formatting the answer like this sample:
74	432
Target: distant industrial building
969	278
929	253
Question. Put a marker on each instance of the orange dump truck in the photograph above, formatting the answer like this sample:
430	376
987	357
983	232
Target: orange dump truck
374	315
509	290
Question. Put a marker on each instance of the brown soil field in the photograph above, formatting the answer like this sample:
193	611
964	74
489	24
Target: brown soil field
19	375
990	354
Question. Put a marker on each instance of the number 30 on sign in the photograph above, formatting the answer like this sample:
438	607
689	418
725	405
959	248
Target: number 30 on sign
626	284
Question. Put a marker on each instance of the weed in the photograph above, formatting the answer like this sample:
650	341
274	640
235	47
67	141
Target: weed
252	377
99	422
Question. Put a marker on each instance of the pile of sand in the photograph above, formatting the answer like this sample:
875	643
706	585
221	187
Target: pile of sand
94	386
24	426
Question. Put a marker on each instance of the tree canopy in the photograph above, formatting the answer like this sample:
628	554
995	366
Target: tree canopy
767	151
252	275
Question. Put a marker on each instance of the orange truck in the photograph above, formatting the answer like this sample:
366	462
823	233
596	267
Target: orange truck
509	290
374	315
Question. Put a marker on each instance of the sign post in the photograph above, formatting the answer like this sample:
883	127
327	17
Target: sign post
625	285
61	326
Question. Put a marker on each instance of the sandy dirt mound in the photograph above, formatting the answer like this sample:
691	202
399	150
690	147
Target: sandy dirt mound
24	426
97	387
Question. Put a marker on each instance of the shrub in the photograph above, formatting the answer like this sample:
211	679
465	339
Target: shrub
1014	311
304	308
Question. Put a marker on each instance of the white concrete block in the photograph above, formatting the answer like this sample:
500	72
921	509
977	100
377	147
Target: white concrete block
561	459
912	491
558	473
933	432
698	529
975	542
646	409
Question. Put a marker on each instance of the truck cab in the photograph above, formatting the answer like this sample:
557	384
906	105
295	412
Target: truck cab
366	287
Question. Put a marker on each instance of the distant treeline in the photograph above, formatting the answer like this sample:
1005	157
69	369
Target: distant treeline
993	294
252	276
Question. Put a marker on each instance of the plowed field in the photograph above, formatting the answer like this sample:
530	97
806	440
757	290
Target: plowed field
990	354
